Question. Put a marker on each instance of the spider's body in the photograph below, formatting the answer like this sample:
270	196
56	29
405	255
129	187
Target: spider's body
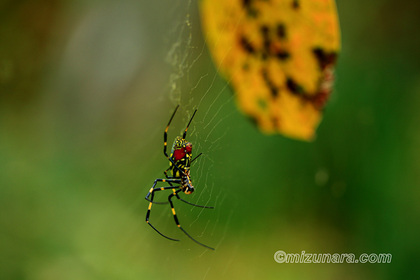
179	179
181	156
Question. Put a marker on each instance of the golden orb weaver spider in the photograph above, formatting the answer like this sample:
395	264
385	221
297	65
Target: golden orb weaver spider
179	179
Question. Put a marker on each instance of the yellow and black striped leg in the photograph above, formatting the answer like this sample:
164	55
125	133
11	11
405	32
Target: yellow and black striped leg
165	134
177	222
150	208
177	196
165	139
188	125
166	173
153	189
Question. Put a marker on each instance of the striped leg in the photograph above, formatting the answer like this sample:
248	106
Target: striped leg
165	140
153	189
177	222
188	125
177	196
150	208
165	134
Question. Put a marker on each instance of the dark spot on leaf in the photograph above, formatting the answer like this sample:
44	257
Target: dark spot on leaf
251	11
294	87
282	54
246	45
266	38
246	3
281	31
324	58
265	33
273	88
295	4
320	99
264	30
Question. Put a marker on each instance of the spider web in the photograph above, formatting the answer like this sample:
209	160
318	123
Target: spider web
194	84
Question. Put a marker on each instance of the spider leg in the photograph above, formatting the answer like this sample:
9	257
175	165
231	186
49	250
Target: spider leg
188	125
201	206
167	177
153	189
177	222
165	138
165	134
150	208
166	172
177	196
196	157
196	205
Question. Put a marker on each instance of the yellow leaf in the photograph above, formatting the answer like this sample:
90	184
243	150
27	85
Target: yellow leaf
279	57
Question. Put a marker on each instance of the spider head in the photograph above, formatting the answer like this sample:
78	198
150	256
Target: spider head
181	151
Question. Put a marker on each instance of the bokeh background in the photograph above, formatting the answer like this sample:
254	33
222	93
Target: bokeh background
86	89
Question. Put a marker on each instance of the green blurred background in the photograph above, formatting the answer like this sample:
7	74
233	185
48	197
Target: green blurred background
86	89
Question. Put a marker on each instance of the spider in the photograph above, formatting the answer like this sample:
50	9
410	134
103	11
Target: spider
179	179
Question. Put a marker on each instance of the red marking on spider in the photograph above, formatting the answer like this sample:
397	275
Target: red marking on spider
188	148
179	154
